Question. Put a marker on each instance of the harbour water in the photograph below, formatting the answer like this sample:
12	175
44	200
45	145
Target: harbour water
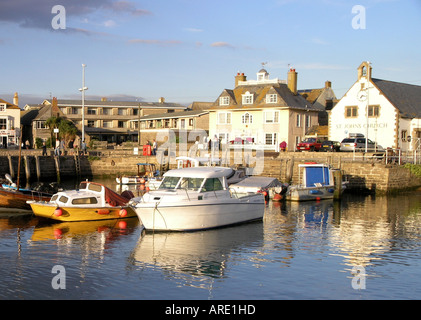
360	248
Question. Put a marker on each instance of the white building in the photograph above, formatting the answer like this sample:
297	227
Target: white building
9	123
386	112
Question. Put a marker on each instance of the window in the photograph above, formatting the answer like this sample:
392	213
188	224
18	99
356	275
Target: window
271	98
122	112
271	117
224	118
105	111
298	123
3	124
122	124
404	135
212	184
40	124
74	110
169	183
270	138
373	111
107	124
247	118
308	121
191	183
91	123
2	107
91	111
90	200
351	112
224	101
247	98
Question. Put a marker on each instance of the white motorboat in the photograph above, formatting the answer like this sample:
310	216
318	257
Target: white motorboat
196	198
316	183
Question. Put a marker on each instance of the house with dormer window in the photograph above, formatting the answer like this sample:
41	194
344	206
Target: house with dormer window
263	111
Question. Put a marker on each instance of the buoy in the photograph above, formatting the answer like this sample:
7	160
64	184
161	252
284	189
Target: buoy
122	224
58	233
123	213
317	198
277	197
58	212
142	180
103	211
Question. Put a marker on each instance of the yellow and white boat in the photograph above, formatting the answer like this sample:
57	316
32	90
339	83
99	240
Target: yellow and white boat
92	201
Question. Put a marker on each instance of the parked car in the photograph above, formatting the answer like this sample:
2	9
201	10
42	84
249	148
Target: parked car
332	146
309	144
358	144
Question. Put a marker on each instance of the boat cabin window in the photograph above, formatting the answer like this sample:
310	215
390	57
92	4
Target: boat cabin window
191	183
90	200
63	199
94	187
54	197
212	184
169	183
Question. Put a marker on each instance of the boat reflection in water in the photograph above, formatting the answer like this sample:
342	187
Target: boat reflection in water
82	229
201	254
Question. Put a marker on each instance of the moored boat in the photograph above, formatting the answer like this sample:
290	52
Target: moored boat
316	183
92	201
194	199
145	171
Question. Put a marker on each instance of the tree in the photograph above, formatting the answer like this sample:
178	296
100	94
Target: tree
67	129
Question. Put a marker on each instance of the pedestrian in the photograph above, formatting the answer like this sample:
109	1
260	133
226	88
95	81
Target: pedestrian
44	149
283	146
71	146
27	144
57	148
83	147
154	147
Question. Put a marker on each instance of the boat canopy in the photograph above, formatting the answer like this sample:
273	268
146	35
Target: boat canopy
317	175
200	172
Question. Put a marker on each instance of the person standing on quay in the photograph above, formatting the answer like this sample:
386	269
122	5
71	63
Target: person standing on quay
44	149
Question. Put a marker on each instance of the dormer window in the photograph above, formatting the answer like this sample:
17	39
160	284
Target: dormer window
247	98
224	101
271	98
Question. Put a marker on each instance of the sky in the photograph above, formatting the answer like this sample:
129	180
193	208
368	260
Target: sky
191	50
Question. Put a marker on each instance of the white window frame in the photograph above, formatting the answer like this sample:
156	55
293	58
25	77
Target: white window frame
272	136
271	98
224	101
224	116
3	107
248	98
247	118
298	121
271	116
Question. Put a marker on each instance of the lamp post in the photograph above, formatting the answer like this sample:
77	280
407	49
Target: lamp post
83	89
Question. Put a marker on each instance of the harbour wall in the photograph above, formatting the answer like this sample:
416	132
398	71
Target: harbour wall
372	176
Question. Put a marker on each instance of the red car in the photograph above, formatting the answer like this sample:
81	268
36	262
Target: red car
309	144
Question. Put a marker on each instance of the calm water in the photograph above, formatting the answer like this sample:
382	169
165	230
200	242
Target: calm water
299	251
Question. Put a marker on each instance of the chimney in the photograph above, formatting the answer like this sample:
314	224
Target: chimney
292	81
16	99
239	77
161	100
328	84
103	99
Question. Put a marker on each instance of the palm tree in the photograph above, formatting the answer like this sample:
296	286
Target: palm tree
67	129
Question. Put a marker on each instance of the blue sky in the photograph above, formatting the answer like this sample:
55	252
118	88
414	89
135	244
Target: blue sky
190	50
